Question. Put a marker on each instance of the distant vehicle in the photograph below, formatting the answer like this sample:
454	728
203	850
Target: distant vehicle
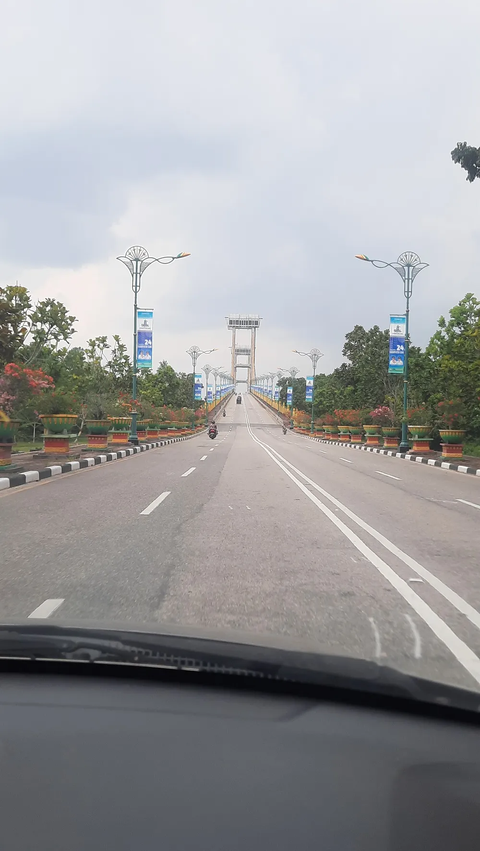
239	399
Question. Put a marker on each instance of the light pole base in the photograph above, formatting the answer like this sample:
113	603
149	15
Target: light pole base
133	438
404	447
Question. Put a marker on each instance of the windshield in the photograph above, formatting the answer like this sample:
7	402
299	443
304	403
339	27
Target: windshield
239	340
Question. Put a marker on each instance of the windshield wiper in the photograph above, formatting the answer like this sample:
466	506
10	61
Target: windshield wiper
192	653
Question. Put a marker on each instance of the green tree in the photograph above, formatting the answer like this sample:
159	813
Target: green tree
468	158
15	304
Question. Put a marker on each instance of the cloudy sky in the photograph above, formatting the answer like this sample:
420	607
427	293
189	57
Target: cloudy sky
272	139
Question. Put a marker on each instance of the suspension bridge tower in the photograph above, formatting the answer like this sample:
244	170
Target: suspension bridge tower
241	322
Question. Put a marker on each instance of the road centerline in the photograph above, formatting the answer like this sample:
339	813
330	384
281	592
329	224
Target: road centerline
187	473
466	502
388	475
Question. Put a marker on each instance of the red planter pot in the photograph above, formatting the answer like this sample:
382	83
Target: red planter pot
452	450
421	444
373	440
56	444
119	437
5	454
97	441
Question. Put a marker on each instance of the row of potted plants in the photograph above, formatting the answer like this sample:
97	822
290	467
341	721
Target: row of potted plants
349	425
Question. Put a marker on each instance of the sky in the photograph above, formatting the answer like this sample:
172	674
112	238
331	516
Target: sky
272	140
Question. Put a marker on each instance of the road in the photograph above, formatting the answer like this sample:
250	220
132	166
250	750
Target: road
358	553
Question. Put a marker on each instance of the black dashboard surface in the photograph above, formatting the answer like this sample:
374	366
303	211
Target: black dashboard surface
114	764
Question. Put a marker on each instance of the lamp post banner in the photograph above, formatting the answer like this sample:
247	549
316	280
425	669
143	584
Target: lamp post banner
210	393
289	396
198	386
144	338
309	389
396	353
277	394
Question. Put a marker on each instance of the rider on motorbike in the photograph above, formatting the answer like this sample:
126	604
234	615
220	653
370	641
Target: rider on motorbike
213	428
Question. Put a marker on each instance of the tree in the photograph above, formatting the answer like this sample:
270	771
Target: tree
14	306
468	158
366	371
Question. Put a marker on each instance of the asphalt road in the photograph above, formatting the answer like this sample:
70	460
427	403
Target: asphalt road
361	554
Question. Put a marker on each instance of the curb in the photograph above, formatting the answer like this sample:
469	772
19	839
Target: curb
431	462
72	466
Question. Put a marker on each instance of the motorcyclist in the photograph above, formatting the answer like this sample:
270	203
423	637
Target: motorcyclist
224	412
213	427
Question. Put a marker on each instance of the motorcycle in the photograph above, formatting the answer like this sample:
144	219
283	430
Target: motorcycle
212	432
284	429
224	413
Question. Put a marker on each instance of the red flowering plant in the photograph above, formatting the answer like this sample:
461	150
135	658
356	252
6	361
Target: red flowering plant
329	419
382	415
420	415
451	414
19	384
349	416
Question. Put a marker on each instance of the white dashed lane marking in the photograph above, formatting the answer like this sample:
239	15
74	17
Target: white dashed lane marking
157	501
47	608
388	475
187	473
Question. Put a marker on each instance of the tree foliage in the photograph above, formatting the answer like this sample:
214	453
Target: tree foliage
468	158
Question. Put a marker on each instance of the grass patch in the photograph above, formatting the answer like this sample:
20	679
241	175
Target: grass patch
472	448
37	446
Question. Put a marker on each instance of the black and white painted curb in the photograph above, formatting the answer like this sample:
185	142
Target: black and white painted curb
71	466
431	462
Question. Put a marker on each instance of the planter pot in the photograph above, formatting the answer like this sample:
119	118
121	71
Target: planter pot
390	431
58	423
5	454
391	436
120	423
373	439
119	437
421	444
419	431
97	441
452	435
452	450
370	429
56	444
97	427
344	433
8	430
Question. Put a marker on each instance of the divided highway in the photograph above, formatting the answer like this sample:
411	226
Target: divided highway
361	554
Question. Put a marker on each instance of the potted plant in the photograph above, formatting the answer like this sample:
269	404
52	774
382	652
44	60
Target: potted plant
384	417
58	412
349	424
18	387
419	419
330	426
451	417
8	433
96	421
371	429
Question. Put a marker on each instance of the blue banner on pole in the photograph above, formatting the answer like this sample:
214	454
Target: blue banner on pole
396	354
144	338
198	386
277	394
210	393
309	389
289	396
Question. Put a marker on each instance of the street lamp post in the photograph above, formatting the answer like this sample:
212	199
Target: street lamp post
137	259
314	355
408	265
216	376
292	372
207	370
195	352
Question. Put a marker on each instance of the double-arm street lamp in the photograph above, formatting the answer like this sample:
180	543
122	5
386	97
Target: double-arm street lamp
137	259
292	372
408	266
195	352
314	355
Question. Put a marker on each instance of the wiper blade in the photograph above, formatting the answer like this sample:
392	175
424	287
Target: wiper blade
218	656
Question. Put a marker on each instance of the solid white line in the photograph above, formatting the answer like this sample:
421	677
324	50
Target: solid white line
203	458
376	635
466	502
47	608
387	474
157	501
188	472
462	652
347	460
417	641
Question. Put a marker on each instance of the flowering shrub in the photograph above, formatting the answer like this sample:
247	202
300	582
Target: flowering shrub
349	416
58	402
419	416
383	416
329	419
18	383
451	414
